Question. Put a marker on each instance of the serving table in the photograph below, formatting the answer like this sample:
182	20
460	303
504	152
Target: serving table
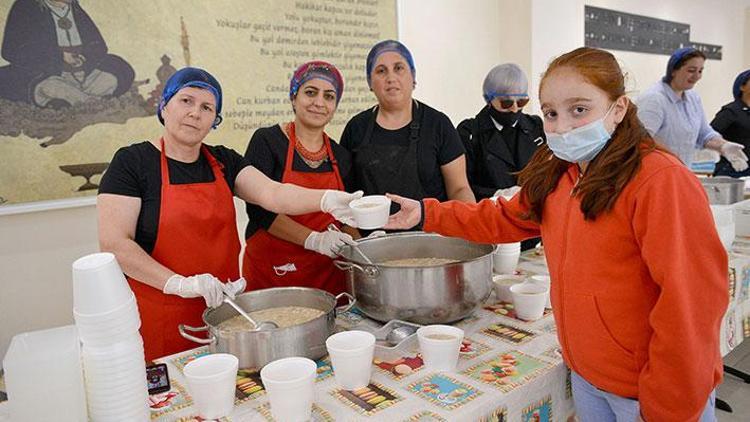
508	369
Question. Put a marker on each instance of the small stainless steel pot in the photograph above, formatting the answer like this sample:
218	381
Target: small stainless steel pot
723	190
425	295
254	349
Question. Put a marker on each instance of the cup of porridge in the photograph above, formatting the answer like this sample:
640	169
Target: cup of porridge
439	345
371	212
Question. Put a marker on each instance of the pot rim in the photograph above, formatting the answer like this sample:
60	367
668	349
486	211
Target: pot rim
412	234
324	293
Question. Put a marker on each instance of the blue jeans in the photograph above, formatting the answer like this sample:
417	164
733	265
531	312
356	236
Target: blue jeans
595	405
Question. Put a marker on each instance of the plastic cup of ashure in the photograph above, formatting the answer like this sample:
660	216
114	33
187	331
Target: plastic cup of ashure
542	280
502	283
211	380
351	355
289	383
371	212
439	345
529	300
99	285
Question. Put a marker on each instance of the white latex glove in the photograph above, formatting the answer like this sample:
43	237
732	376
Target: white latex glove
336	203
507	193
376	234
328	242
732	151
233	288
205	285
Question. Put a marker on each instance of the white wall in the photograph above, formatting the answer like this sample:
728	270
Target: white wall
454	44
558	28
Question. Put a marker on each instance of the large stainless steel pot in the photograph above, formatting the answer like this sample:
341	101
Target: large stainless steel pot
723	190
425	295
254	349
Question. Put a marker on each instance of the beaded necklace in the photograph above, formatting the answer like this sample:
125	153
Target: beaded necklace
312	159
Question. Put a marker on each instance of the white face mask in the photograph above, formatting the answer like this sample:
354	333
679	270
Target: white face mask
582	143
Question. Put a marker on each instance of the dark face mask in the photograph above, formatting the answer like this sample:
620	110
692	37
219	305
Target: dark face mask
505	118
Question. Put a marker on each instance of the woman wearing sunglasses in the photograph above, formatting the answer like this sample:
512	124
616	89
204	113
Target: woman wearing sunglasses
402	145
500	139
285	250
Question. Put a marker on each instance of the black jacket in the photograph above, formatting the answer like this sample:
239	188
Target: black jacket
733	122
492	155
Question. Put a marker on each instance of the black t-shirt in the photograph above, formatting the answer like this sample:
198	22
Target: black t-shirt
438	145
267	152
135	171
733	123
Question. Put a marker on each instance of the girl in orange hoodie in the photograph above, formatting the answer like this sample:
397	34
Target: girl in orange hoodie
639	276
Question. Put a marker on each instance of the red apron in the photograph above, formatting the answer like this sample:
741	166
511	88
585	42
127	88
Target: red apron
197	234
273	262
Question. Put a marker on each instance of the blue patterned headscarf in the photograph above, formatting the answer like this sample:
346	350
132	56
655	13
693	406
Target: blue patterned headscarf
317	70
738	82
676	59
385	47
191	76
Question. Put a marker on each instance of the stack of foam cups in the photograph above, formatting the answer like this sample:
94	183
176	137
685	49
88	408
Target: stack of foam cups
106	315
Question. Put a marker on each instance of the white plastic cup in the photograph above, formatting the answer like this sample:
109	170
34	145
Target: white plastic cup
502	283
289	383
543	280
211	380
351	355
505	257
440	345
529	300
371	212
99	285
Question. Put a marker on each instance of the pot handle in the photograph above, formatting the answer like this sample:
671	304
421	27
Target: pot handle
369	271
348	306
182	328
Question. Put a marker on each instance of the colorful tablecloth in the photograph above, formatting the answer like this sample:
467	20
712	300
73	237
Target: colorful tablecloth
508	370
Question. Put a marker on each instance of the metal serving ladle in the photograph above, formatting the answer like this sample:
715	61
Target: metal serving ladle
333	228
264	325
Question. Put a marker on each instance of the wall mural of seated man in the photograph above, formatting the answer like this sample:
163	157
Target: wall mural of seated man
59	61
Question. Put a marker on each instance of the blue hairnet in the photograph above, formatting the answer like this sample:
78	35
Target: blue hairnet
738	82
191	76
505	79
674	59
385	47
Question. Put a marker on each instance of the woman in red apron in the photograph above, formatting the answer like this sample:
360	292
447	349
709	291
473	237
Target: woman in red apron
297	250
166	211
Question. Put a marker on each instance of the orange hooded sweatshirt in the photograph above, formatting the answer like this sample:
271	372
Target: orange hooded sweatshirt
638	293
